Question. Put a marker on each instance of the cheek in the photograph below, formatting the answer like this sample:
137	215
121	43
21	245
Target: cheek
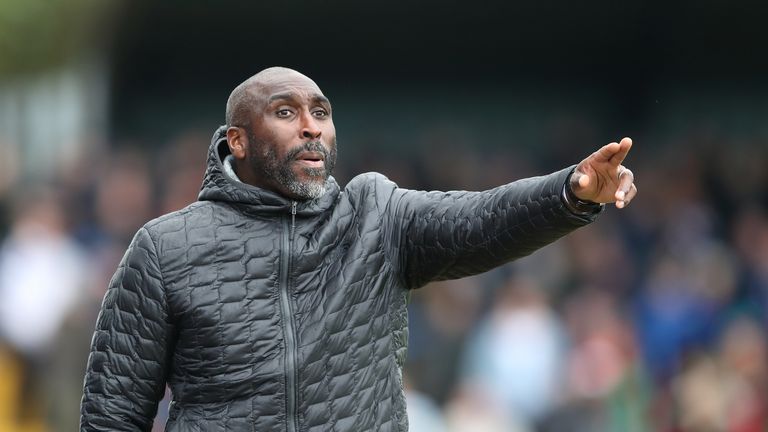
330	134
275	139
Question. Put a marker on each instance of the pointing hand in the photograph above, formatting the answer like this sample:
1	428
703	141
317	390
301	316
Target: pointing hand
601	177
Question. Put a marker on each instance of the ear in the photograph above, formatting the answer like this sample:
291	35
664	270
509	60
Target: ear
237	140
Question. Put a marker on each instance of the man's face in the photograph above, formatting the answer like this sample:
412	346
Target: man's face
292	139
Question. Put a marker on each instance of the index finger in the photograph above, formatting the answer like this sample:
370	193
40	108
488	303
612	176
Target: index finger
608	151
624	146
614	153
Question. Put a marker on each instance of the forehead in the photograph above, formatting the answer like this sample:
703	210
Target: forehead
295	85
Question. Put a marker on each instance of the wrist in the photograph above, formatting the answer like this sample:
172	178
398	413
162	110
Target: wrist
575	204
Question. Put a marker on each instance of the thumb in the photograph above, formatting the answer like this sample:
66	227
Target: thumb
579	180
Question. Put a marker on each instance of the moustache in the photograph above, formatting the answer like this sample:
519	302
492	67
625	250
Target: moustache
310	146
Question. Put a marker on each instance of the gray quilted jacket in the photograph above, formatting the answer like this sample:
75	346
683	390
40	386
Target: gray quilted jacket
263	314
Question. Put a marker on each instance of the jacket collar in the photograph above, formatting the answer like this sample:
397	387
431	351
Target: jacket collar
217	186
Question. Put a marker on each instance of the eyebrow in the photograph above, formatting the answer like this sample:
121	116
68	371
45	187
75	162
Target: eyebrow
290	96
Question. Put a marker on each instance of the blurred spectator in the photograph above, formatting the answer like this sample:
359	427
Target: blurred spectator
123	197
515	354
680	307
475	409
9	164
181	168
604	386
743	355
599	258
424	415
750	238
440	319
700	396
42	275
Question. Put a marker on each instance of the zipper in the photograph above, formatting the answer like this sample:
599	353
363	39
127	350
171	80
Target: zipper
289	326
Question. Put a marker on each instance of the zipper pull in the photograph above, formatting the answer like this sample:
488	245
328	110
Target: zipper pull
293	216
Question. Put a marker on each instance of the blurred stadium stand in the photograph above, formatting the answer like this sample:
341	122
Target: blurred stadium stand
653	319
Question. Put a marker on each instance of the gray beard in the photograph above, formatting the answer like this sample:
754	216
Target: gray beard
280	171
306	190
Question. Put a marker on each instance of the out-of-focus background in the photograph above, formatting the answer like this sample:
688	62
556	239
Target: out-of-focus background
652	319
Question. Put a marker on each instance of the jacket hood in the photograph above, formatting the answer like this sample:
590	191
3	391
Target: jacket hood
217	186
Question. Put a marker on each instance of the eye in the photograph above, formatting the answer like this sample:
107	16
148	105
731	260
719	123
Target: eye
283	113
320	113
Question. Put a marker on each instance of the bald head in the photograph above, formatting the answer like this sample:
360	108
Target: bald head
251	93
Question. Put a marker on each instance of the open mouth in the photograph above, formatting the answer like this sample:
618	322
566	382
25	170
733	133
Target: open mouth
311	159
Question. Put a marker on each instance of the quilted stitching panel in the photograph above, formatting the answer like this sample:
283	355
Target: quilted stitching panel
229	346
129	352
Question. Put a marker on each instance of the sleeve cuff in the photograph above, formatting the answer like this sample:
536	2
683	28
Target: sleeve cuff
575	205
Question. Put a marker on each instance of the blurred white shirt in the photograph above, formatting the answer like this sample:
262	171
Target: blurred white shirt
41	276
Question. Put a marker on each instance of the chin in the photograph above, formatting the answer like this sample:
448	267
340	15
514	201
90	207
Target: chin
307	190
312	174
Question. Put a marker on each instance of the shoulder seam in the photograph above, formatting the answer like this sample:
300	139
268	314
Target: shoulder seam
173	214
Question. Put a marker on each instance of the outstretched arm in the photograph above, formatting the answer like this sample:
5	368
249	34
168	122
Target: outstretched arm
448	235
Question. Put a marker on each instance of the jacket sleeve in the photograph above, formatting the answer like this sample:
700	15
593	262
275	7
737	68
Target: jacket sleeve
131	347
449	235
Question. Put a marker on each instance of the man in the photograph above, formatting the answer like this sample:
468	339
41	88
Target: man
277	302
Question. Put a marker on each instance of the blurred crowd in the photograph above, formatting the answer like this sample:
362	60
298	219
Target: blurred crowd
652	319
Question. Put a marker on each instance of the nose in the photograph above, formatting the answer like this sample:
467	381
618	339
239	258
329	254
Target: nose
310	129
